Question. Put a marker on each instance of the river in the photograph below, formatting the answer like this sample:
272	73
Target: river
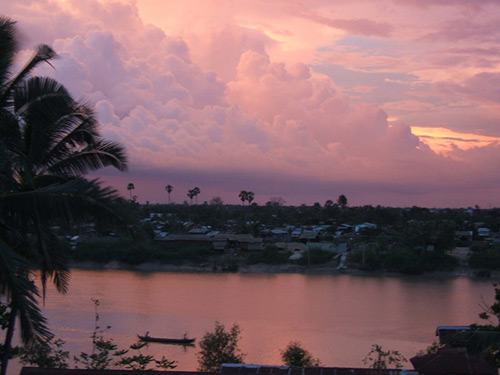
336	317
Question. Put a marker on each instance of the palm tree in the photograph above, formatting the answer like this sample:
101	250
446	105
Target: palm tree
243	195
48	142
196	191
130	187
169	189
250	197
191	193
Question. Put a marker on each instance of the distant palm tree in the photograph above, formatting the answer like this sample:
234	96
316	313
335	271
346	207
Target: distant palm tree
196	191
48	142
250	197
243	196
246	196
191	193
130	187
169	189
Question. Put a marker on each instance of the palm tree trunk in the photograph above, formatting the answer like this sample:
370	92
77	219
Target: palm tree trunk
7	346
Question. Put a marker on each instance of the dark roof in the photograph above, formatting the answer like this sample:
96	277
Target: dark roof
58	371
452	361
226	370
205	238
185	237
289	370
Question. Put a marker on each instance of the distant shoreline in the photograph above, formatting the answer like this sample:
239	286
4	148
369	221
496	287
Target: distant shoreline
274	269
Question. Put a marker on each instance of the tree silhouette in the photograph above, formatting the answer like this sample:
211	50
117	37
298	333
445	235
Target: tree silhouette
130	187
191	194
297	356
243	196
218	347
216	201
48	143
196	191
250	197
246	196
169	189
342	201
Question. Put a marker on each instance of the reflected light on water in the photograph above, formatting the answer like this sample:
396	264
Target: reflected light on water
336	317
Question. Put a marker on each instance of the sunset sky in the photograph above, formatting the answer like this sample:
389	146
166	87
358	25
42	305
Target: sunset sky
390	102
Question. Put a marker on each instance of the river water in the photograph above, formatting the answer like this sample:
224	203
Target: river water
336	317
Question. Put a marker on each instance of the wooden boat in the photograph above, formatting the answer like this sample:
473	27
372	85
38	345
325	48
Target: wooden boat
183	341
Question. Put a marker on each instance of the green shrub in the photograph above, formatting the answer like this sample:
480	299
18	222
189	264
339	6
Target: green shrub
316	256
130	252
218	347
270	255
403	261
435	261
484	261
296	355
371	262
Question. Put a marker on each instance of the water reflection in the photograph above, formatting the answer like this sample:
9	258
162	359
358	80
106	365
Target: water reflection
337	318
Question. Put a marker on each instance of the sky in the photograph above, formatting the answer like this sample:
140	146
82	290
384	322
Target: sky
389	102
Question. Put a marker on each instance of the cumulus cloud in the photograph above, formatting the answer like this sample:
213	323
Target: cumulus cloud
221	105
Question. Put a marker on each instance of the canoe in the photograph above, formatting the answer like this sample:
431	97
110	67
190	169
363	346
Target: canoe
183	341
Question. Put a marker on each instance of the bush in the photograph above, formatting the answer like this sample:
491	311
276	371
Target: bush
379	359
132	253
219	347
372	261
46	354
296	355
404	262
484	261
436	261
316	256
270	255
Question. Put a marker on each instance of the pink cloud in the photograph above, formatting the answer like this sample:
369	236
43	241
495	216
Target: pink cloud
355	26
464	28
215	107
482	87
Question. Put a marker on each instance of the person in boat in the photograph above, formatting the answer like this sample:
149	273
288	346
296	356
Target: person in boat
147	334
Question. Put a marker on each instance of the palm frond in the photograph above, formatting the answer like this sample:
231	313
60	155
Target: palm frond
79	127
43	54
35	89
40	102
71	133
7	49
93	157
84	199
51	257
22	293
10	144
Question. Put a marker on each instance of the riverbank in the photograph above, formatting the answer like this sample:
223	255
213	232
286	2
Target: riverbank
271	269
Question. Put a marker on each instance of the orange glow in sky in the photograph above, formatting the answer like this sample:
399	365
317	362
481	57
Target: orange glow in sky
442	140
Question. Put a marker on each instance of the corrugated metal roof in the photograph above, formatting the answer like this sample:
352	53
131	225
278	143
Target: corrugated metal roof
59	371
235	369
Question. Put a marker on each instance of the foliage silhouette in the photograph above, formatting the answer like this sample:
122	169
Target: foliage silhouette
218	347
296	355
48	142
378	358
